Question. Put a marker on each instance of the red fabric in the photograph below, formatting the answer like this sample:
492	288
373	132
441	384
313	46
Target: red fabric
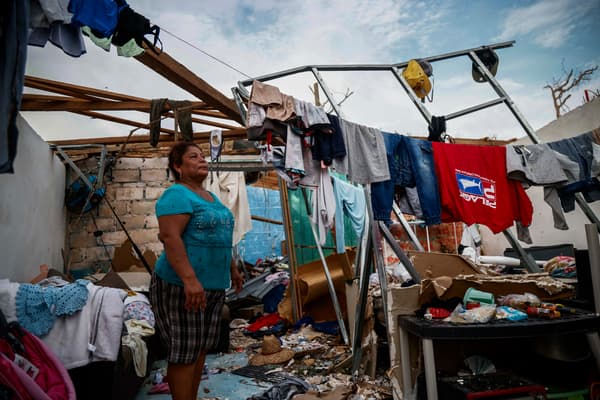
265	320
10	379
52	380
474	187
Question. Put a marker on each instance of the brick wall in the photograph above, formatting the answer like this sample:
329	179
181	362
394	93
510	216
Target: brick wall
443	238
132	188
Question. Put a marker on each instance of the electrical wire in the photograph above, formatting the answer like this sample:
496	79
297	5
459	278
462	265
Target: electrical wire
205	53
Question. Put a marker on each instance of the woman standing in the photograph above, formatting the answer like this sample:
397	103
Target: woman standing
189	281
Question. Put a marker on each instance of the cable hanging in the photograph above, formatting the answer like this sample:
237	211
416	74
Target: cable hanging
204	52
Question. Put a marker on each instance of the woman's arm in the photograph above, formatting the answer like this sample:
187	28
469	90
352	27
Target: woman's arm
170	229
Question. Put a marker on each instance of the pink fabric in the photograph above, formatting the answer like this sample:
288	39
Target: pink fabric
52	381
53	377
9	378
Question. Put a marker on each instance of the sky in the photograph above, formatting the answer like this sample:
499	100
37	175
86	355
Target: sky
260	37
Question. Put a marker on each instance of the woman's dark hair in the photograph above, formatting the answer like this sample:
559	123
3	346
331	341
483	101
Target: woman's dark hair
176	156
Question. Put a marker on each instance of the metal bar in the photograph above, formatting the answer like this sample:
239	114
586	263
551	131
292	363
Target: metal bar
478	107
430	377
594	254
363	291
327	92
332	293
369	67
405	362
530	263
289	234
239	103
411	234
587	210
75	168
101	167
502	93
416	101
403	257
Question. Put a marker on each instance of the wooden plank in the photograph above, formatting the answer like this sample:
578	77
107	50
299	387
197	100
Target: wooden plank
200	137
121	121
177	73
62	87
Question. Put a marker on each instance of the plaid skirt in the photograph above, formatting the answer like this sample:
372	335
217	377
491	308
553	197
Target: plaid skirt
185	333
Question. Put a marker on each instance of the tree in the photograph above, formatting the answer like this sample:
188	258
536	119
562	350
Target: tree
560	88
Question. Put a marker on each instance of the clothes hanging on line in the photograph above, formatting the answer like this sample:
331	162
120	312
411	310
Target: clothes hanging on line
410	162
474	187
350	201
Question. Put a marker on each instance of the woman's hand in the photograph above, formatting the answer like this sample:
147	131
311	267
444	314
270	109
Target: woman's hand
237	280
195	296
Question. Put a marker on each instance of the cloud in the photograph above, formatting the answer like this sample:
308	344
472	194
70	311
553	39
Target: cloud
550	24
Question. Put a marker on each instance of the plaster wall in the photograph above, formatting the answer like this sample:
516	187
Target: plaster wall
581	120
32	215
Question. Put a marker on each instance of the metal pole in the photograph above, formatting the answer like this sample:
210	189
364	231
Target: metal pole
327	92
527	259
416	101
362	305
332	293
403	258
594	254
289	234
411	234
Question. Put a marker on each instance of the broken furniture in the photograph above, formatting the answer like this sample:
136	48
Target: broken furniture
427	331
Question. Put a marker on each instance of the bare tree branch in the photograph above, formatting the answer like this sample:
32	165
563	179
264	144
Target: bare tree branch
560	87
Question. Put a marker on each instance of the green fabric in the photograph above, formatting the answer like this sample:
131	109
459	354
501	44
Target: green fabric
302	232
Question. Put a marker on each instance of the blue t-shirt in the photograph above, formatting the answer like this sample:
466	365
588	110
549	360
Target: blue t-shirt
207	237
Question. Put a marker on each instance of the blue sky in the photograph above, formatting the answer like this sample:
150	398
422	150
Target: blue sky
265	36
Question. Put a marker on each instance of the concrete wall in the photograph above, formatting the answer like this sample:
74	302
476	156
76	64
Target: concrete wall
32	216
578	121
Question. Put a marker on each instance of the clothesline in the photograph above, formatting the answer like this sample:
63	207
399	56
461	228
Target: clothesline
453	182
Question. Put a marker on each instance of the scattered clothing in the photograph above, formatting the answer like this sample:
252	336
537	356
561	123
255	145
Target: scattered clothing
38	307
93	333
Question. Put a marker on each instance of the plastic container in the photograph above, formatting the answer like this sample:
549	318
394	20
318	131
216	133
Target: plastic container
477	296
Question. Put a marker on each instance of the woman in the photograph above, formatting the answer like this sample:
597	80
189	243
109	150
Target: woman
189	281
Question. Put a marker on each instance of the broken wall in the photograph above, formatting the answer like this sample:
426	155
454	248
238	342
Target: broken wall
581	120
32	216
132	187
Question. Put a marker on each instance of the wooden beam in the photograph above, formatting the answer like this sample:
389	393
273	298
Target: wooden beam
177	73
201	137
123	121
76	90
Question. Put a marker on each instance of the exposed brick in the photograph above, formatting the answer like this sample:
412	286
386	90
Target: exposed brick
154	175
120	207
153	193
129	193
142	207
103	224
126	175
81	240
151	222
77	255
114	238
155	162
99	253
144	235
129	163
133	221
